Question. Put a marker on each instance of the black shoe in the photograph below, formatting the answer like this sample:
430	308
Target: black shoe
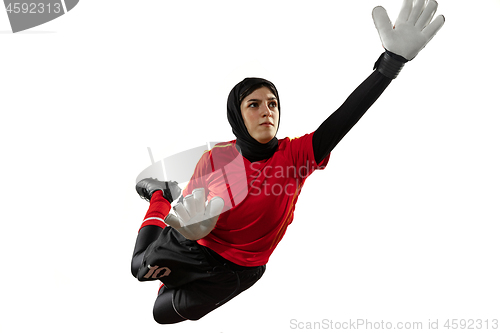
148	186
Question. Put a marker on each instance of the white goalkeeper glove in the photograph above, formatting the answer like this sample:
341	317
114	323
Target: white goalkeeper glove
192	218
412	30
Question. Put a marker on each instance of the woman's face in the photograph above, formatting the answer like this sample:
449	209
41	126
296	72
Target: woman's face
261	114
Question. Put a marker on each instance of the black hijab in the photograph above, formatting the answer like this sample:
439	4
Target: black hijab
250	148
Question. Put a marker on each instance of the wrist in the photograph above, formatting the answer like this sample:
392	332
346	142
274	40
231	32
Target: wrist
390	64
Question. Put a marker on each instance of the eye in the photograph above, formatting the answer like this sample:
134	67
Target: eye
273	105
253	105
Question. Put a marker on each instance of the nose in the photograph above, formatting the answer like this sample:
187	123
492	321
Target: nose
266	111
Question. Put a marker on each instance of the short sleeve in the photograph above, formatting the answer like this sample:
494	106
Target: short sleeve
302	155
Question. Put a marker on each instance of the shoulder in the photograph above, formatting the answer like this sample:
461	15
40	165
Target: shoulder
294	142
221	153
223	148
219	148
228	145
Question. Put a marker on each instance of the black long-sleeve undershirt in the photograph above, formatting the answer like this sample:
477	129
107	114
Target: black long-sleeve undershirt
339	123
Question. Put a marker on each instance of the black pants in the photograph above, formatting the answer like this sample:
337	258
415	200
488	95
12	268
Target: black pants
196	279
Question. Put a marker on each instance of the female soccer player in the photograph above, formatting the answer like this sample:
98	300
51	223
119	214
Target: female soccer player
206	255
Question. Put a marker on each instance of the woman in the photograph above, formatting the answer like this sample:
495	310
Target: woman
207	255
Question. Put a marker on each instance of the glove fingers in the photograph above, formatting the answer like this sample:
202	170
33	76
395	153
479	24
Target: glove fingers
214	207
427	15
405	11
416	12
434	27
189	204
381	20
181	212
199	200
173	221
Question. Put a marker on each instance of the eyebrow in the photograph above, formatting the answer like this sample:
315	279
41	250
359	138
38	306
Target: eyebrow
258	100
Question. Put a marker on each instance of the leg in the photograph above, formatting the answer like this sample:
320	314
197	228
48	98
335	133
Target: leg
151	227
146	236
160	195
196	299
163	310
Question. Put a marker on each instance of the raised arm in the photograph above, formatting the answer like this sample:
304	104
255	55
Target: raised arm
402	42
336	126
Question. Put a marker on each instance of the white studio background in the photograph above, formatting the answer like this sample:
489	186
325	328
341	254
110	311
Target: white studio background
401	226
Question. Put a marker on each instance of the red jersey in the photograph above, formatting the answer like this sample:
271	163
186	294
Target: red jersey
259	197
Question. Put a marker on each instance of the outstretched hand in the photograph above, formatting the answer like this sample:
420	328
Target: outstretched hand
412	30
192	218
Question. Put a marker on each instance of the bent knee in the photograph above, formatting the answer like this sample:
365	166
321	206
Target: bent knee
166	317
164	311
134	269
135	265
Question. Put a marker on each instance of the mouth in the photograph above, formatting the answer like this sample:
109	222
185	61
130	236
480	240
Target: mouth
266	124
